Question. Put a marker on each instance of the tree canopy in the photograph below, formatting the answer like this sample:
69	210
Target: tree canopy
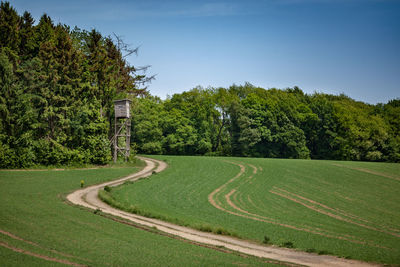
56	90
57	87
254	122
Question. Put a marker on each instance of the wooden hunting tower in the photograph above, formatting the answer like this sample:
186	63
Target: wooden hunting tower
122	134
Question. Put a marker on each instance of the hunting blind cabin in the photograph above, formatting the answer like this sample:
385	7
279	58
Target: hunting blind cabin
122	128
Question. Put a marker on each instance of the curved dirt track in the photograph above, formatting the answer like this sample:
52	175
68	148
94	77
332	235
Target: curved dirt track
87	197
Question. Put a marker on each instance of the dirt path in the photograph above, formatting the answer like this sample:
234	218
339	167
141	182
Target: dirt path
87	197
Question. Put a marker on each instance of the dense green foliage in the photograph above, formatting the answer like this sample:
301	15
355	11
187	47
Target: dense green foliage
251	121
57	87
56	91
349	209
33	211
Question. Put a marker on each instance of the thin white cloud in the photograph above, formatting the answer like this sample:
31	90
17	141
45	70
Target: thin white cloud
214	9
123	10
325	1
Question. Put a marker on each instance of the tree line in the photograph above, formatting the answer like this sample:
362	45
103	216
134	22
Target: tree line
57	87
254	122
56	90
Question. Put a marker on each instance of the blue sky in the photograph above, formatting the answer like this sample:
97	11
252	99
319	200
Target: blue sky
330	46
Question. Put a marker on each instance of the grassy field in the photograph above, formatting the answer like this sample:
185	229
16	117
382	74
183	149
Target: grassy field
349	209
35	222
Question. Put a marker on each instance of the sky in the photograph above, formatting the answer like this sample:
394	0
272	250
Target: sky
328	46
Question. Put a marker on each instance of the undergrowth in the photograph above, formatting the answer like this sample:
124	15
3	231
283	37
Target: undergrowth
133	162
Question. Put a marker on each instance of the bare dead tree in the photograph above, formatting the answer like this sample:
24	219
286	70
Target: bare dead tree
142	80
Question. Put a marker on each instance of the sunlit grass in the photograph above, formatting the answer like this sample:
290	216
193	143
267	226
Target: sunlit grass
34	217
349	209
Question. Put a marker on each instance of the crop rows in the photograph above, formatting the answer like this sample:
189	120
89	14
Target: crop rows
347	209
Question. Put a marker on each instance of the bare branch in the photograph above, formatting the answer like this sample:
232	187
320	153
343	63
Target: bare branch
124	47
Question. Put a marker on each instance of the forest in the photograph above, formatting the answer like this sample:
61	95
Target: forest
58	84
57	89
254	122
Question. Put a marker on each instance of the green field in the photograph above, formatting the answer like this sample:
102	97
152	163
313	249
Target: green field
36	220
349	209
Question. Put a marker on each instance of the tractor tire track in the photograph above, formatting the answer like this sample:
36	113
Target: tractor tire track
295	198
39	246
44	257
88	198
396	178
213	199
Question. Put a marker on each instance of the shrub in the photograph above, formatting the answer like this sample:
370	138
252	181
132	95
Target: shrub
8	157
97	211
204	228
107	188
288	244
222	231
266	239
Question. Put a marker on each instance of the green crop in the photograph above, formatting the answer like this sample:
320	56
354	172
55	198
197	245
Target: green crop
348	209
35	218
